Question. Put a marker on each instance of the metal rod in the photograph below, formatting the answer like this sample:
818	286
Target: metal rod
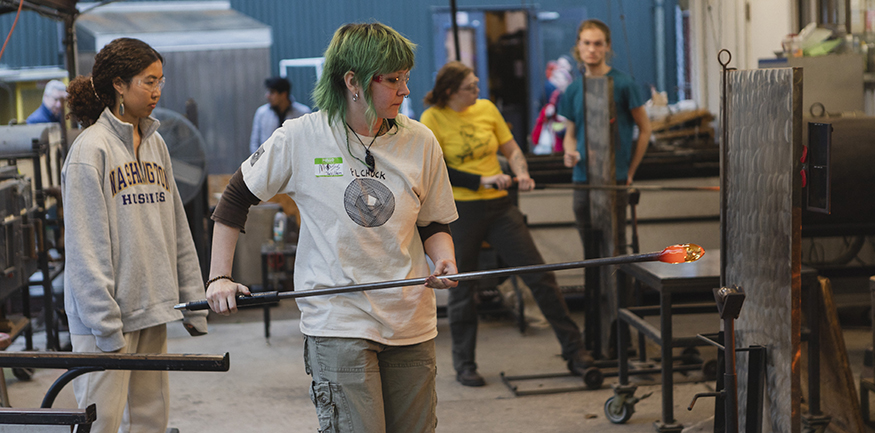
116	361
62	381
31	417
724	162
814	309
627	187
453	20
270	297
756	385
615	187
730	380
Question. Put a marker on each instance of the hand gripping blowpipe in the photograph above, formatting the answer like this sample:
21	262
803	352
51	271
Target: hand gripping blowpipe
681	253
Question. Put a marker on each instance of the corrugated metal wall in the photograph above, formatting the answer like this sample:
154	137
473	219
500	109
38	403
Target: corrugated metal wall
303	28
227	85
35	41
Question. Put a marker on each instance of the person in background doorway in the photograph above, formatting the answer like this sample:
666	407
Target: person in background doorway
129	252
281	106
52	108
592	52
372	190
471	132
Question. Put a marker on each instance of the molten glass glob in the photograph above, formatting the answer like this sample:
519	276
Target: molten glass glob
681	253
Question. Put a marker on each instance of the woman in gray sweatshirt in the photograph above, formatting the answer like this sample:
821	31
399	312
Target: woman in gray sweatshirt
129	252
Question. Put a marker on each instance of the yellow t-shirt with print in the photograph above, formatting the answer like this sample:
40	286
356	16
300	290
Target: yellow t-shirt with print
470	142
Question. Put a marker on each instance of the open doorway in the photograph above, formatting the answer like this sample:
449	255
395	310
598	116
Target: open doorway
497	43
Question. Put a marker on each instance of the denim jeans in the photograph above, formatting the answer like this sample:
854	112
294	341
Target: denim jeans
363	386
501	224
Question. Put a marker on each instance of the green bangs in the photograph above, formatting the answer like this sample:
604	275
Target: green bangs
367	50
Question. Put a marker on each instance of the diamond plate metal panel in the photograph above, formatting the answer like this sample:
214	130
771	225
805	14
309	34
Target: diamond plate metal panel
762	231
601	170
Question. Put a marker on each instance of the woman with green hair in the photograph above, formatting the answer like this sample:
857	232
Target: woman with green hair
374	196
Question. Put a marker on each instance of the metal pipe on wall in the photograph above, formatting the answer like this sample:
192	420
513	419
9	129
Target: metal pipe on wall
659	37
455	30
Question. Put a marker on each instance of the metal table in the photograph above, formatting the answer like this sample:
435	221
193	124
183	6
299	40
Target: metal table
698	277
277	266
667	279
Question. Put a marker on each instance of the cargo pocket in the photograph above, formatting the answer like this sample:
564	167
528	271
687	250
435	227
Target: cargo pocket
329	401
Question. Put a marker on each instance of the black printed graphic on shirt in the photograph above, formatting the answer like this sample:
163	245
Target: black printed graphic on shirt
368	202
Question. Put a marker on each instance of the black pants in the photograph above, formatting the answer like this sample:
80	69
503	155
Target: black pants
501	224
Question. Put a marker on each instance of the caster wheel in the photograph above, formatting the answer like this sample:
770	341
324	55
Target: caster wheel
709	369
623	413
593	378
23	374
691	355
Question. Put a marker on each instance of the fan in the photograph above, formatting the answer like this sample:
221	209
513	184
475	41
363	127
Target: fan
187	151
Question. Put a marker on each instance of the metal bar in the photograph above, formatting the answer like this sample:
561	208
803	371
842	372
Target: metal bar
730	380
676	309
592	331
708	339
116	361
62	381
455	30
267	297
641	325
48	416
667	375
686	342
622	343
756	384
814	309
625	187
52	334
724	162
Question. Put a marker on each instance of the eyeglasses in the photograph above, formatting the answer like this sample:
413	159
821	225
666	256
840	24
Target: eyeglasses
393	82
473	87
152	84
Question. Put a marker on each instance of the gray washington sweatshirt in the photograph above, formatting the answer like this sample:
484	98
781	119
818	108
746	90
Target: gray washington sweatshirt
129	252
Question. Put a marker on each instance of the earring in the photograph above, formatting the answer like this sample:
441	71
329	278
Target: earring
121	105
355	97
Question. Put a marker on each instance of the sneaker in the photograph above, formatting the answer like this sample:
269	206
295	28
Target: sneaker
581	361
470	377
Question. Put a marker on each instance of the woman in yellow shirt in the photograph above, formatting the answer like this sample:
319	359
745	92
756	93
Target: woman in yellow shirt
471	132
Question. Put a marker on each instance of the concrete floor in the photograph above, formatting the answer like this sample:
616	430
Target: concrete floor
266	389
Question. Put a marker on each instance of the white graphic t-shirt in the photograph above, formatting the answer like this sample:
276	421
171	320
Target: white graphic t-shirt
357	225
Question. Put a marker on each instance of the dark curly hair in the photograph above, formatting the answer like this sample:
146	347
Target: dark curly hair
122	58
447	82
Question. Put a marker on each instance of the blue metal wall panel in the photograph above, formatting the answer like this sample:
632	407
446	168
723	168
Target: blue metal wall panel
34	42
302	28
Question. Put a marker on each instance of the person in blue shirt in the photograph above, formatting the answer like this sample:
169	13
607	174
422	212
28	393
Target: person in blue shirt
281	106
592	50
52	107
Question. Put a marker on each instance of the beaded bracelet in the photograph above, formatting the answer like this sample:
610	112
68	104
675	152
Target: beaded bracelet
214	279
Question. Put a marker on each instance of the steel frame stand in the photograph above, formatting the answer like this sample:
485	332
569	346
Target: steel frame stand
729	302
815	421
